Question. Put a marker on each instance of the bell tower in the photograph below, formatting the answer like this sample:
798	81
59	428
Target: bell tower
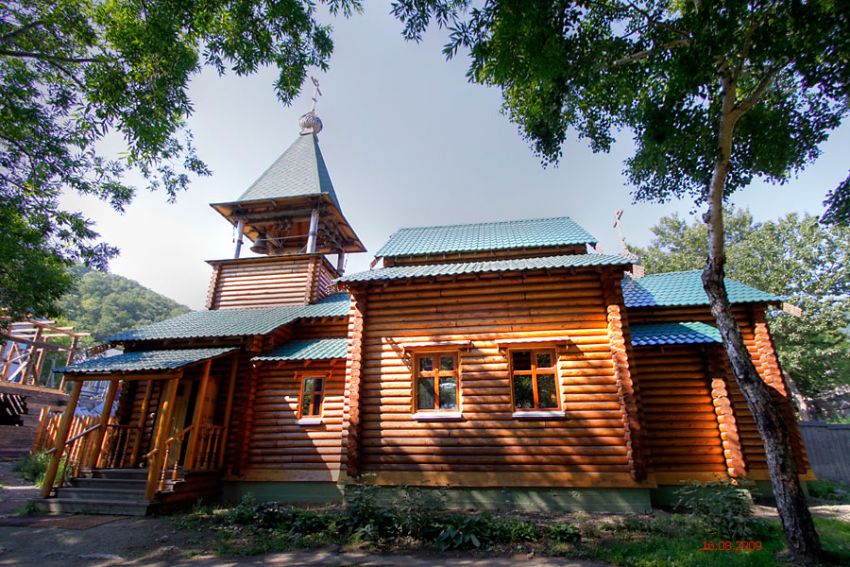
293	217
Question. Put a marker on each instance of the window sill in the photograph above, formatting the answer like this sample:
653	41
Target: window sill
543	414
309	421
438	416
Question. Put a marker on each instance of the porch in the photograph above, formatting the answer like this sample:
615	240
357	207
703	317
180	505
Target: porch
163	445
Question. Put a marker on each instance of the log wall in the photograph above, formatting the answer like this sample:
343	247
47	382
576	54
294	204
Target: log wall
484	255
269	281
757	339
682	430
592	438
282	449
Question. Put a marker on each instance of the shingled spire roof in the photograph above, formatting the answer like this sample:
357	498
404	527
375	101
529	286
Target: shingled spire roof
300	171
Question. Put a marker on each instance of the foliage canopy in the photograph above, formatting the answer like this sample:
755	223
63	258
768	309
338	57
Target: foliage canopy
73	72
795	257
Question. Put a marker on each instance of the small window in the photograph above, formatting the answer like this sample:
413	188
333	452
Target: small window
436	387
312	396
534	379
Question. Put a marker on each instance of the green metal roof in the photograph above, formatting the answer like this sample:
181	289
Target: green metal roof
536	233
674	334
308	349
145	361
300	171
684	288
236	322
518	265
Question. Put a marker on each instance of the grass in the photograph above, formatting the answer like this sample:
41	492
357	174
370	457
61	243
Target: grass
657	546
661	539
830	490
34	466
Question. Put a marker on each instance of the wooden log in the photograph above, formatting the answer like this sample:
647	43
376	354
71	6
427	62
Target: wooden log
61	437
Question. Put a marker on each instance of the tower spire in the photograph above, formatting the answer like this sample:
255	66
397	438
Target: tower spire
310	122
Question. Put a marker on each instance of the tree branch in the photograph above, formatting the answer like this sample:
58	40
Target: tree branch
45	57
16	32
756	94
637	56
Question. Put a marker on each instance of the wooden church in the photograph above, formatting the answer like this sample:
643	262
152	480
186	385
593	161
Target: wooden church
507	364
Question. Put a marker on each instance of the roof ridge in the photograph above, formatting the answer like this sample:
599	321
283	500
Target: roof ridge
512	221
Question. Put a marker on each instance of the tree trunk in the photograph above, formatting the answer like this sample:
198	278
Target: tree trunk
790	501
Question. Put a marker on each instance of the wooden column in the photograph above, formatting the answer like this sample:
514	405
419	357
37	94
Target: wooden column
61	437
314	229
197	416
351	400
94	458
620	345
166	410
248	419
727	424
143	419
228	407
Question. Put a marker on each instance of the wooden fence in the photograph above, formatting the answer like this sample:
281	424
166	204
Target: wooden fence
828	447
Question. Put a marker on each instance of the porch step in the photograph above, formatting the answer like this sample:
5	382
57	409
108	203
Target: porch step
108	507
128	474
103	491
116	495
108	483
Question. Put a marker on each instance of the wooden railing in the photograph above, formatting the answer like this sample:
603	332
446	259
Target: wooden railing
121	447
77	450
207	448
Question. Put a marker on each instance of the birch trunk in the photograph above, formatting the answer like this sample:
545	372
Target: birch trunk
791	503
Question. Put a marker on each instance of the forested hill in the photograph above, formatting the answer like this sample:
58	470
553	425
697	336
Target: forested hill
105	304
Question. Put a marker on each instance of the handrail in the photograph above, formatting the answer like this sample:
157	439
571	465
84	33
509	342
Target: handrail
74	438
170	440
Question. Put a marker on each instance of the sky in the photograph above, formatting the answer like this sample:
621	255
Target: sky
408	142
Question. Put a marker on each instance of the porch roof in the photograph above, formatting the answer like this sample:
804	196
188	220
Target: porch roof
145	361
685	288
674	334
236	322
308	349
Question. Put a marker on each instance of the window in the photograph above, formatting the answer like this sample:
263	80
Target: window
435	380
534	380
312	396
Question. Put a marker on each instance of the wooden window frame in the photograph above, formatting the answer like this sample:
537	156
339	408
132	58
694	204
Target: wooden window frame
436	374
533	372
302	379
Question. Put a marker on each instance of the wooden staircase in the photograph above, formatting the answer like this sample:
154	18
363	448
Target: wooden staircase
102	491
121	492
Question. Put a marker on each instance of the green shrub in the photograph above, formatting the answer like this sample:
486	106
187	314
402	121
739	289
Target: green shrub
564	533
464	532
725	509
411	515
511	530
33	467
243	514
829	490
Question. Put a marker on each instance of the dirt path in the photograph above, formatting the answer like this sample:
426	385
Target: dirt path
818	509
101	541
14	491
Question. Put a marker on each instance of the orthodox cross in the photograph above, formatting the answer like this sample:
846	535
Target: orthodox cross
316	93
618	224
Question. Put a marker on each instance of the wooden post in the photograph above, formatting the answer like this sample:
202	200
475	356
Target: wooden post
240	228
61	437
143	419
166	410
314	228
228	407
100	436
340	261
197	416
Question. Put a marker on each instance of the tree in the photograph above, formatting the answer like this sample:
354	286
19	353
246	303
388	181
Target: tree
715	93
74	71
106	304
795	257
